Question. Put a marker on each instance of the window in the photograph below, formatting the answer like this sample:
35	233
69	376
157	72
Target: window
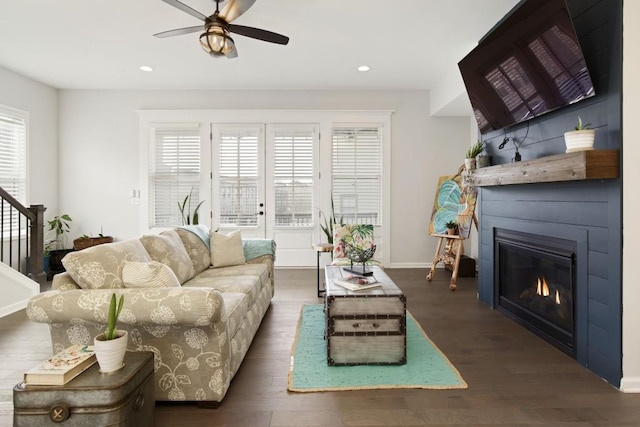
357	173
238	175
293	176
13	160
174	172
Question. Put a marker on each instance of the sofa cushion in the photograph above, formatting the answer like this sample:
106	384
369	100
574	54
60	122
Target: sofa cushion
247	279
150	274
101	266
168	249
237	308
196	248
226	249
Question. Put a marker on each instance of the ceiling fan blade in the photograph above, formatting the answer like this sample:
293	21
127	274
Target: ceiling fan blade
257	33
233	53
235	8
179	31
183	7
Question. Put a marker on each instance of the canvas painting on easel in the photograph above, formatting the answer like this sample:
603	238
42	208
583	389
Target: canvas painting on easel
453	202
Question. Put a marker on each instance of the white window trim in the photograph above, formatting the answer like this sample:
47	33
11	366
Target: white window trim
23	115
326	120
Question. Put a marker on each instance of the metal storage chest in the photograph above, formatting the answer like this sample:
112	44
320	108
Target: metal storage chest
121	398
365	327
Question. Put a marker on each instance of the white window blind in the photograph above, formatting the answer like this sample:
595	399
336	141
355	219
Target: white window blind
293	177
357	173
174	172
13	161
238	177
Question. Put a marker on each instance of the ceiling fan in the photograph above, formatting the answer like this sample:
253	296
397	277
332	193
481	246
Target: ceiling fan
216	40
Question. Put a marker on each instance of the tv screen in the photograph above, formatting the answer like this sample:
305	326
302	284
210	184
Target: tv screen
529	64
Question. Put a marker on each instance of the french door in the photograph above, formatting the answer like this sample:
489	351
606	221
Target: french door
263	181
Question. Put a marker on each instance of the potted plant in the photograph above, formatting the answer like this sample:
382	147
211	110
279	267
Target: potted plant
580	139
111	345
452	227
472	153
189	218
327	227
85	241
56	246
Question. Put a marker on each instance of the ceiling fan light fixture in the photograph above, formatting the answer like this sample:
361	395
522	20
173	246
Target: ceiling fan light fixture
216	41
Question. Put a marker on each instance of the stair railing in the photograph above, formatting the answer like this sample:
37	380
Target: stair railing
28	233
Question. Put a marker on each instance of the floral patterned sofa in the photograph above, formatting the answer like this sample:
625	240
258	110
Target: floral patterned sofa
194	298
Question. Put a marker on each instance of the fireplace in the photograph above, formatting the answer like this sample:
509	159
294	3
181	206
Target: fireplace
535	284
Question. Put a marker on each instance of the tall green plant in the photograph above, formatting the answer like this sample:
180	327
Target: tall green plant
327	227
60	226
112	319
189	218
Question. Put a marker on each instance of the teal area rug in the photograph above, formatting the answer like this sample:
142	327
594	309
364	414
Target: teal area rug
427	367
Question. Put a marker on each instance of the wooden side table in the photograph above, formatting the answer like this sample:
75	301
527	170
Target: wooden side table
320	248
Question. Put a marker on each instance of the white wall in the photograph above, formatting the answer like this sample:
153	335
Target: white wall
99	153
630	174
41	102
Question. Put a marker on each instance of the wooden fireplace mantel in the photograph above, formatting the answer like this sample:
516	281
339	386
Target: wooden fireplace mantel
581	165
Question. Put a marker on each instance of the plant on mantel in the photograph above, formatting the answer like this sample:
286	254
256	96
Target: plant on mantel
581	138
472	153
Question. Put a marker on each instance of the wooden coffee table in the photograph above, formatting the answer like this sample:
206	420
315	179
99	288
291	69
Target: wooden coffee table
364	327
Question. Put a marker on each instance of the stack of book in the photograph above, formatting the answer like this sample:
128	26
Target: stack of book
62	367
355	282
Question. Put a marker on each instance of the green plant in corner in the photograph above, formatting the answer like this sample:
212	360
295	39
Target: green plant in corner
60	226
189	218
112	318
580	126
475	150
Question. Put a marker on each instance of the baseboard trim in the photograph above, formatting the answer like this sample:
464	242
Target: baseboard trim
630	385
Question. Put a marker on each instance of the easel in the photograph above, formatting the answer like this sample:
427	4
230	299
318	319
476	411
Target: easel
453	243
453	249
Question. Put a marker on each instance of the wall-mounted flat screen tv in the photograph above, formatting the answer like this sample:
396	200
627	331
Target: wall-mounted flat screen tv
529	64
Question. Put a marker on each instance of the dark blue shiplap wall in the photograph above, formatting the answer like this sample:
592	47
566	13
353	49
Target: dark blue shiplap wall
588	212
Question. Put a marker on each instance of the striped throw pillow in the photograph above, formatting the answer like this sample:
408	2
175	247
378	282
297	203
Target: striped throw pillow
150	274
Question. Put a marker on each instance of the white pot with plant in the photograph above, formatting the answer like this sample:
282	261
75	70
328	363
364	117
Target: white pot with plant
472	153
580	139
111	345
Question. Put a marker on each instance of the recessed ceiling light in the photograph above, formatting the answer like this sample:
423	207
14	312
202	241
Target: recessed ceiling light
146	68
364	68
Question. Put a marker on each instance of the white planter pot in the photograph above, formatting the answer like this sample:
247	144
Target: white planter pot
470	164
110	353
579	140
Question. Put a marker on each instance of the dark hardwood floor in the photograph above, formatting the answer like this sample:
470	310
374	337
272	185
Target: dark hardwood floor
514	377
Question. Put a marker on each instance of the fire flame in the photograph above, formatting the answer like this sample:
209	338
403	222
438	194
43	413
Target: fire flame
542	289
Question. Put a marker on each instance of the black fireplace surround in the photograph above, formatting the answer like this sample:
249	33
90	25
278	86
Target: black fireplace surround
535	284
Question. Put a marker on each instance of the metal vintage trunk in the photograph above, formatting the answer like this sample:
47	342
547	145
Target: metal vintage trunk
365	327
121	398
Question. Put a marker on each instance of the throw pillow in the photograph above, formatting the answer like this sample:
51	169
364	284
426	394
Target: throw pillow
226	249
198	251
168	249
100	267
150	274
